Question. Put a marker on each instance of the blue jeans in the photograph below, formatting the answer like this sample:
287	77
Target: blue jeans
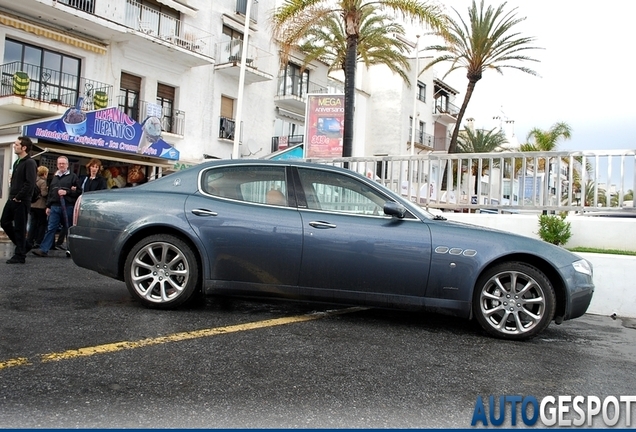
55	218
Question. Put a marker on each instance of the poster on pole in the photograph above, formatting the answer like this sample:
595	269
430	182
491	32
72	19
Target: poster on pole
325	125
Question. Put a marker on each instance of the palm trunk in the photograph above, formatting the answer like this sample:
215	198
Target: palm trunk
452	148
350	94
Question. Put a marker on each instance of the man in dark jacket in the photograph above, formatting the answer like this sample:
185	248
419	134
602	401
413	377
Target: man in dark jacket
16	211
63	192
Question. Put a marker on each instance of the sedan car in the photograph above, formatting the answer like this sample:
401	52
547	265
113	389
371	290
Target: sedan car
310	232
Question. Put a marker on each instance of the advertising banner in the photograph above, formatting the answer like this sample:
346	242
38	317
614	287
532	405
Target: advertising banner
106	129
325	124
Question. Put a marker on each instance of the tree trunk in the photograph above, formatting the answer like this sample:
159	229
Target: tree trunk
350	94
452	148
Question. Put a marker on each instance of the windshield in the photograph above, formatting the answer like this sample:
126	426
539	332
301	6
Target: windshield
413	208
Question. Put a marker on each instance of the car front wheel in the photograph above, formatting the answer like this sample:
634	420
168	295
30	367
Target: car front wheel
514	301
162	272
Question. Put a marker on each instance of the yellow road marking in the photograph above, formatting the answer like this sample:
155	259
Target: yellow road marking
176	337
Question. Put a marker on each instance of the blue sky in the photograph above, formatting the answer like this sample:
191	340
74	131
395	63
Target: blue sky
586	78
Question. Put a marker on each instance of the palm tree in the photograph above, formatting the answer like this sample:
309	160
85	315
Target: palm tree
546	140
588	194
542	140
295	18
480	141
486	41
377	43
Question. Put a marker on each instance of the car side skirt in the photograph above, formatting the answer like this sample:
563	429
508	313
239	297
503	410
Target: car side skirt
383	301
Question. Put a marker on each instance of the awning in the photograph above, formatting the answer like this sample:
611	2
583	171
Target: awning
183	8
47	32
102	154
292	115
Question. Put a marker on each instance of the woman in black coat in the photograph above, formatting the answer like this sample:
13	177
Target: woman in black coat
94	180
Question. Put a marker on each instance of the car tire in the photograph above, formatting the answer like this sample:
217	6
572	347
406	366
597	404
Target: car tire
514	301
162	272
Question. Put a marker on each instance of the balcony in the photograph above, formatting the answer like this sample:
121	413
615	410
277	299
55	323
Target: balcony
40	91
445	112
172	121
423	141
227	126
292	93
167	28
228	61
84	5
144	31
282	142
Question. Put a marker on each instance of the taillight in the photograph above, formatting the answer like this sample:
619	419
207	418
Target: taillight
76	209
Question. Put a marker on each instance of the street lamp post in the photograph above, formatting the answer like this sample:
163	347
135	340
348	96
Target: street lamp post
241	86
417	75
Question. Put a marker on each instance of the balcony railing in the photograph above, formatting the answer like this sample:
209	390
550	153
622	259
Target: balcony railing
445	108
241	7
167	28
292	86
53	86
282	142
172	121
227	126
231	51
422	137
83	5
508	181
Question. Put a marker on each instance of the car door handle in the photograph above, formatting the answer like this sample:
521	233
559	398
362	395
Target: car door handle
203	212
322	225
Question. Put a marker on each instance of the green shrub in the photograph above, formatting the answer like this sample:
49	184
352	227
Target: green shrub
554	229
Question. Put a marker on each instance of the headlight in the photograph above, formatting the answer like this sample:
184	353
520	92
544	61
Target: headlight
583	266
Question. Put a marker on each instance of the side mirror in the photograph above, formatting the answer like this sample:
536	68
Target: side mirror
394	209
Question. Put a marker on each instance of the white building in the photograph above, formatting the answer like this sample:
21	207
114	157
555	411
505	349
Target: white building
181	61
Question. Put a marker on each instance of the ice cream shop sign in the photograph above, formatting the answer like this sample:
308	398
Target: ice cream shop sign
107	129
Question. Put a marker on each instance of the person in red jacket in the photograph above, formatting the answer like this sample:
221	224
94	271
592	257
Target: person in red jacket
16	211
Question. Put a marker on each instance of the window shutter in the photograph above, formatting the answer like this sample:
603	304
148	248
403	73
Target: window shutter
165	92
227	107
130	82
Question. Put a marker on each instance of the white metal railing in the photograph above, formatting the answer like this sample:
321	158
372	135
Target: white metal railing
230	52
167	28
507	181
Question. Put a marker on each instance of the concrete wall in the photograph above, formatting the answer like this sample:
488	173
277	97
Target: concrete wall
615	285
595	232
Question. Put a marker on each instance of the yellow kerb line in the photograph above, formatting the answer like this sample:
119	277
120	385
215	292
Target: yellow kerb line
176	337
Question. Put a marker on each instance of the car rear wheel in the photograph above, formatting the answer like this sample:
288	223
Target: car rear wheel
162	272
514	301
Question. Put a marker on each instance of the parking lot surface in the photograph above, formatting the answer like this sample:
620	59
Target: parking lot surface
77	351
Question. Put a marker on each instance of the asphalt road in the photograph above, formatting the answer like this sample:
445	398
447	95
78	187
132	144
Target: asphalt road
77	352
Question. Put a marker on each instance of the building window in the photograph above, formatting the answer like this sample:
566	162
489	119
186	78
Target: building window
53	76
165	99
231	45
129	90
294	82
419	133
227	124
421	91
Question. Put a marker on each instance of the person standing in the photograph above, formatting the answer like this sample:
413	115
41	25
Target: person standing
92	182
16	211
38	210
63	193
